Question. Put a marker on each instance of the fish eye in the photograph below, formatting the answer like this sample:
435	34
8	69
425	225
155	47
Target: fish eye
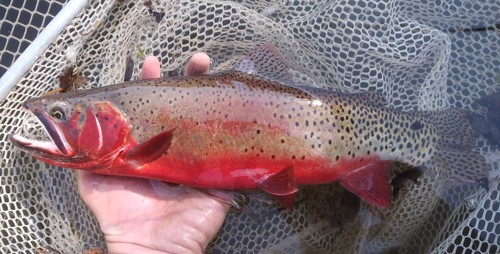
57	111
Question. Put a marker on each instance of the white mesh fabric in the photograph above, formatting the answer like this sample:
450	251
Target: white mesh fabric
420	55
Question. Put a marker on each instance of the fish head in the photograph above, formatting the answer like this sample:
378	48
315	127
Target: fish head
83	133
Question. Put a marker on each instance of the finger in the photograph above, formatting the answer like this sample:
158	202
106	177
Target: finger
88	180
198	64
86	183
150	68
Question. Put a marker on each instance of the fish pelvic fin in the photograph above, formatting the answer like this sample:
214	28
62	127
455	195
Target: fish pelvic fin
236	200
281	185
371	183
455	157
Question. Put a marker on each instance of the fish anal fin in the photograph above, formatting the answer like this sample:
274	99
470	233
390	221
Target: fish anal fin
90	139
149	150
371	183
281	185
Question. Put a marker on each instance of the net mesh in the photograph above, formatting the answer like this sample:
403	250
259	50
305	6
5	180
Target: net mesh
420	55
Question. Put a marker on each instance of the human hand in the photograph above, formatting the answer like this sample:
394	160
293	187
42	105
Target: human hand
143	216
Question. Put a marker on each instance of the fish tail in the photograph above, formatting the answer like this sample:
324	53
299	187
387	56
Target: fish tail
455	157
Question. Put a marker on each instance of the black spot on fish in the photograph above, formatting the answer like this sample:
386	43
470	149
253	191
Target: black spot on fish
416	126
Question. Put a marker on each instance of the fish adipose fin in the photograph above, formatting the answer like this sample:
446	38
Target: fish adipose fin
371	183
455	158
265	61
281	185
373	98
149	150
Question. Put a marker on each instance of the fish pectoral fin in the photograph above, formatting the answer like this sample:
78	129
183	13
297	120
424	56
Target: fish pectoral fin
371	183
281	185
150	149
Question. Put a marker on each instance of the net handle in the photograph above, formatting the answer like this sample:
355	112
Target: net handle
17	70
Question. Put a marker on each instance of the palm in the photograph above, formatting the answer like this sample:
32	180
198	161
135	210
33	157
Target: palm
142	214
129	209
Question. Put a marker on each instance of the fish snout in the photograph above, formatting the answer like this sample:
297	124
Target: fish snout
35	105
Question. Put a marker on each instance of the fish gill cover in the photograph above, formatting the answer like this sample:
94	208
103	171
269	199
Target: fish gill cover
416	55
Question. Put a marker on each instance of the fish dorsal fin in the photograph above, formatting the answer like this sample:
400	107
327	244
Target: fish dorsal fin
265	61
149	150
281	185
371	183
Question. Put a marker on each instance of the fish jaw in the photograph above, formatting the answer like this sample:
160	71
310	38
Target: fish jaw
58	145
35	146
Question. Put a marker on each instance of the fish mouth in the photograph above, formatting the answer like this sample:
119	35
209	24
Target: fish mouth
56	146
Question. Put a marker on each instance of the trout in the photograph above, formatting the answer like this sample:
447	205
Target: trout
248	128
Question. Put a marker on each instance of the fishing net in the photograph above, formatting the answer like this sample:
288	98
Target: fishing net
419	55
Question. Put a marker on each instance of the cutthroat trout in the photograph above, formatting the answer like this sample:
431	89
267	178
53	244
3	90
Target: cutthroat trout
248	129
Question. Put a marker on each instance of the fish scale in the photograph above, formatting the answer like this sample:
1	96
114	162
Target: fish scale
247	129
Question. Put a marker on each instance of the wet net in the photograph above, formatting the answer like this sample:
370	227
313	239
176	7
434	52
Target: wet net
419	55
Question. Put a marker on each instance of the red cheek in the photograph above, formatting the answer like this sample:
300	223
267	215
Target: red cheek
71	128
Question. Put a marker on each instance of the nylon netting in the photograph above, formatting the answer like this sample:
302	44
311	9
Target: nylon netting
420	55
